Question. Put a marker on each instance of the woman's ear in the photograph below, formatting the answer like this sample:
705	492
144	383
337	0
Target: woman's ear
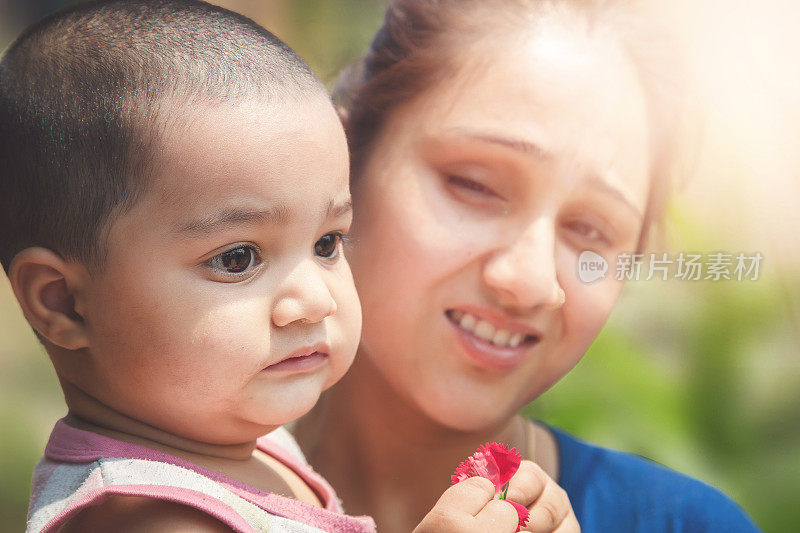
43	284
344	116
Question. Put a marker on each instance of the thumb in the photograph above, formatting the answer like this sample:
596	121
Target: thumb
498	516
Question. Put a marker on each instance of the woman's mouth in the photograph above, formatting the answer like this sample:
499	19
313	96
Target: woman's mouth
488	342
489	332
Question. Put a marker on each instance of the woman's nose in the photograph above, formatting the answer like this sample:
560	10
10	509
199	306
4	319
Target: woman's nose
304	297
522	275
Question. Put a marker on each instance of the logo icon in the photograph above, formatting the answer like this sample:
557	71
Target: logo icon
591	266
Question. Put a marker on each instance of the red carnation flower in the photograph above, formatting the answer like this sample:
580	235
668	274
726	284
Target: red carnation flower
522	513
497	463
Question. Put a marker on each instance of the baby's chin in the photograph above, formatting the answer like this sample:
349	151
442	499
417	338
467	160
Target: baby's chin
289	403
257	424
285	400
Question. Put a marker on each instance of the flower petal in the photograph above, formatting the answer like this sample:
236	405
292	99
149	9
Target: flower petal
493	461
481	464
522	512
507	460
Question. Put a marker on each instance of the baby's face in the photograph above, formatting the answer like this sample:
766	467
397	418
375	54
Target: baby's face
230	265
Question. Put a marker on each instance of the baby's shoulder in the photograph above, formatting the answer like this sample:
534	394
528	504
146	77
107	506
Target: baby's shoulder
283	438
132	514
612	487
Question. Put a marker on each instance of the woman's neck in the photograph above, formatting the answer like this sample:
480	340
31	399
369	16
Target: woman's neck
385	457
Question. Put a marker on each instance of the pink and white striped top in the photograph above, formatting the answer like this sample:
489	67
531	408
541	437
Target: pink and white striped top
81	469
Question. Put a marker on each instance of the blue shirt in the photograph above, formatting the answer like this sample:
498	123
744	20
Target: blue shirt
616	491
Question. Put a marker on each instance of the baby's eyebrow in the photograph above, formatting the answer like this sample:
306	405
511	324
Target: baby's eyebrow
277	215
235	216
336	210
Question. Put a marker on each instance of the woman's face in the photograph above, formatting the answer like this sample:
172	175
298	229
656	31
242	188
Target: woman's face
472	211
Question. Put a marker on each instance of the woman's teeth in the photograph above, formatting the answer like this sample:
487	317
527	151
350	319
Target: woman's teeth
486	331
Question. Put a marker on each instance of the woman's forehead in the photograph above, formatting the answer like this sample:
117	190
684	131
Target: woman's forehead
573	95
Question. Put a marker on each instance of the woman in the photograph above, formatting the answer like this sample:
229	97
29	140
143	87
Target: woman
492	143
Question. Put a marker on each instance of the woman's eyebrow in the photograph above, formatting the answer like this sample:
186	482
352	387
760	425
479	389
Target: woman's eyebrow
523	146
530	148
608	189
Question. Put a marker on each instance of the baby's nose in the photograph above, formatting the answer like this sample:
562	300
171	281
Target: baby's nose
304	297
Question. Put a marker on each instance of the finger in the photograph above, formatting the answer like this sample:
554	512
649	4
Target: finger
457	507
497	516
569	525
467	497
550	510
527	484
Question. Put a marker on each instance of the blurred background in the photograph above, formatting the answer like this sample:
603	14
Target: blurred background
702	376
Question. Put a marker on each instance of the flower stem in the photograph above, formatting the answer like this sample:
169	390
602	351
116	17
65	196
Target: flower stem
504	492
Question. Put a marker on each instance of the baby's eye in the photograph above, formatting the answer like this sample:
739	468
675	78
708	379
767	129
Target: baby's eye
236	263
328	245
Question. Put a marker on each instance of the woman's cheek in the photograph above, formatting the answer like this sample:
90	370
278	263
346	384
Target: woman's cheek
348	319
588	305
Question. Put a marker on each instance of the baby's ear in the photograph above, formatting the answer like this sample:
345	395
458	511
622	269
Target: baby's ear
43	283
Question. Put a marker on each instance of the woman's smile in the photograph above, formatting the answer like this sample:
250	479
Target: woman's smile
490	340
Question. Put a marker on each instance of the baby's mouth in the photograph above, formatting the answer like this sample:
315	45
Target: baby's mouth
299	363
306	358
486	331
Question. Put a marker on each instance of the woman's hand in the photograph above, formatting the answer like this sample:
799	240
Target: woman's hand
548	503
470	507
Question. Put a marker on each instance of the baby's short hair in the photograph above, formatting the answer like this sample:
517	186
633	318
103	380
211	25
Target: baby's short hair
85	92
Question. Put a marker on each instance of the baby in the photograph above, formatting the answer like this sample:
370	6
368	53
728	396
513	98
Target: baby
173	198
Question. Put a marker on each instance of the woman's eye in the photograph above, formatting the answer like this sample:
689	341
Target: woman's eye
586	231
235	262
474	186
328	245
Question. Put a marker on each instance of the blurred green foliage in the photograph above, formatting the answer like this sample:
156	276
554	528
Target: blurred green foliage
328	35
30	402
702	377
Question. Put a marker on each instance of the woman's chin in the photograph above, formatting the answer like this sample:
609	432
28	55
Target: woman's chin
467	413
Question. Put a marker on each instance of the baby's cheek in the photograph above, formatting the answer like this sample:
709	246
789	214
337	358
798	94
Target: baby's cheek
344	330
234	335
